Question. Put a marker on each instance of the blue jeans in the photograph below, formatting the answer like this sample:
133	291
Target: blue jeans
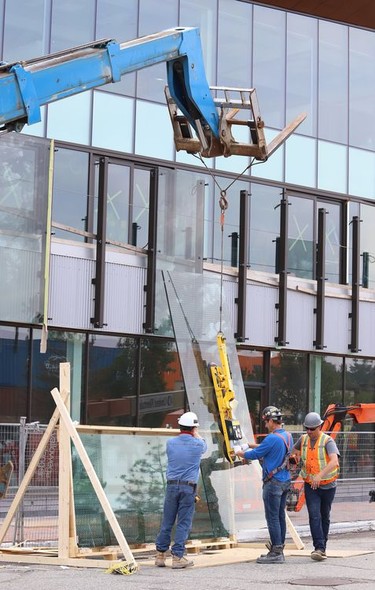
274	498
319	504
178	504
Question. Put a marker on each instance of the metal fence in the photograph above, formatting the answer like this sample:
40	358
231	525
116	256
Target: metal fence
36	521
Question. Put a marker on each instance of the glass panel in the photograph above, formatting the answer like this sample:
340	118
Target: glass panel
333	81
70	191
69	119
24	170
353	211
251	363
269	64
326	385
112	374
332	178
71	24
113	122
151	81
139	209
333	245
301	245
361	88
301	70
300	161
223	235
62	347
235	22
118	187
273	168
264	227
25	30
289	386
367	246
162	391
203	14
359	381
153	135
361	173
14	363
115	22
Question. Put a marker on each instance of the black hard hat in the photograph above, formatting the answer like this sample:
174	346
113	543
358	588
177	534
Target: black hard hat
272	413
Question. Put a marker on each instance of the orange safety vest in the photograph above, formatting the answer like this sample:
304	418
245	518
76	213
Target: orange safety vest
315	459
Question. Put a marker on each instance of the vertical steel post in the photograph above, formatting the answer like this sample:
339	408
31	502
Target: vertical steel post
242	266
320	280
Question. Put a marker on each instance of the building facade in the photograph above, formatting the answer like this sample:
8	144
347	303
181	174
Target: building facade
300	224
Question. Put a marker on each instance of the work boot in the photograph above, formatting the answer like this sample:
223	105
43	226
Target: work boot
275	555
160	559
318	555
269	547
178	563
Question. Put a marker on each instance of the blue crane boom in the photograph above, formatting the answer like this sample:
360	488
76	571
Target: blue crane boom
205	123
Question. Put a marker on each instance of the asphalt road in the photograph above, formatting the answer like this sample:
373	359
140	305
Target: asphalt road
297	573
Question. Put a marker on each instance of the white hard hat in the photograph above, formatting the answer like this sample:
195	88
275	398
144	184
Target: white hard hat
188	419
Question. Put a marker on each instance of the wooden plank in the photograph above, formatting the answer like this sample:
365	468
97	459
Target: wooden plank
65	461
29	473
293	533
126	430
65	417
69	561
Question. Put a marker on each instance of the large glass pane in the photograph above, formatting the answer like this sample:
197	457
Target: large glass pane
361	173
235	22
251	363
62	347
72	23
367	246
203	14
151	81
264	227
24	173
113	122
14	363
69	119
226	236
269	64
115	21
301	245
162	393
26	30
153	135
333	82
333	241
118	188
332	177
289	386
139	208
326	382
273	168
112	377
301	68
300	167
361	88
359	381
70	192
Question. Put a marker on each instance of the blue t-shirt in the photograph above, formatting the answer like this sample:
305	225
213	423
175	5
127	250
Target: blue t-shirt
184	454
272	451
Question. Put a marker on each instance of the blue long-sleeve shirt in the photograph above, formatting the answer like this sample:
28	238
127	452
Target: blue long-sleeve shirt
272	451
184	454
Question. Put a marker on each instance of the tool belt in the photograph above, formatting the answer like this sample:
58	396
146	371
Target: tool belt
180	482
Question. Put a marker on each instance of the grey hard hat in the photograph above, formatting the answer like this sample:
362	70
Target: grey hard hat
312	420
272	413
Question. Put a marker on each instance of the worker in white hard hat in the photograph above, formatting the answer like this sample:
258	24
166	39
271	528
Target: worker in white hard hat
319	469
184	453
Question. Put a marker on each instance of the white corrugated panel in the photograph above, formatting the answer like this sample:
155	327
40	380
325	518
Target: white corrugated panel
124	298
300	320
261	315
366	326
337	325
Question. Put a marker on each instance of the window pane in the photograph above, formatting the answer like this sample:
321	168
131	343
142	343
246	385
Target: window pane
112	380
235	22
289	386
264	227
361	173
269	64
367	246
114	130
14	362
223	240
301	161
115	22
162	391
301	245
301	70
333	81
117	202
154	135
72	23
140	207
25	30
70	191
69	119
327	384
273	168
203	14
332	178
362	89
332	270
360	384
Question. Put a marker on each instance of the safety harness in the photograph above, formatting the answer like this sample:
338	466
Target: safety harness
285	462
